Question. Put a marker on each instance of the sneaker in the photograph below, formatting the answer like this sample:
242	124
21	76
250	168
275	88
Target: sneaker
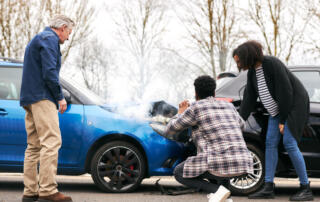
229	200
219	196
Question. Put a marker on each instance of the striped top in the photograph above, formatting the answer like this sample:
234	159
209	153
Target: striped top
268	102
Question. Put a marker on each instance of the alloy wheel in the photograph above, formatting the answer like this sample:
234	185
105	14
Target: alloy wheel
249	180
118	167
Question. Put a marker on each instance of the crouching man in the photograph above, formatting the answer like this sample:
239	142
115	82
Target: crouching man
216	132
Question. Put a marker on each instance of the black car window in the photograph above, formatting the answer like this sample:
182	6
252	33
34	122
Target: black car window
10	83
311	81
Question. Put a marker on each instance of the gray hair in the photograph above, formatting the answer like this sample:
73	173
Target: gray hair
60	20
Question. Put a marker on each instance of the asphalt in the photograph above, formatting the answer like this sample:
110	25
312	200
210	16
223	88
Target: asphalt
82	189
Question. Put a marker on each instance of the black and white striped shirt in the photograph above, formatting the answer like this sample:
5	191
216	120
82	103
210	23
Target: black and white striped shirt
265	97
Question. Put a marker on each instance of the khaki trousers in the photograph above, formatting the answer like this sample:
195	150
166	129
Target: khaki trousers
44	142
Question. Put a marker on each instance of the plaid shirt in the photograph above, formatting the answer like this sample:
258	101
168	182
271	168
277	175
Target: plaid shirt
216	132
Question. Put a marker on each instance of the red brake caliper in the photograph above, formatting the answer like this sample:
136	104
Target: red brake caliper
131	168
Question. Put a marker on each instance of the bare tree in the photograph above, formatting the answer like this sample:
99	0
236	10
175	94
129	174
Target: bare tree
212	32
178	77
8	21
141	25
95	64
20	20
281	23
314	27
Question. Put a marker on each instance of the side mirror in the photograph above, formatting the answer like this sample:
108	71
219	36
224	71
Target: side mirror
66	95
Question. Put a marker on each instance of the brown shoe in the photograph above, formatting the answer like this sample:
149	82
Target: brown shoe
57	197
26	198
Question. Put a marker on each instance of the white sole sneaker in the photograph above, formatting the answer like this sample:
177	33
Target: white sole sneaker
220	196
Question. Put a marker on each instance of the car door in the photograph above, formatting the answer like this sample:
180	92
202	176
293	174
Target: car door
71	126
12	128
310	141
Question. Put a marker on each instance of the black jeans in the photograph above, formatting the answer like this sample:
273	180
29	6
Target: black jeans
210	186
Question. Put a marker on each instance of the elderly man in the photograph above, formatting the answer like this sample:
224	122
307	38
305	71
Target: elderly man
216	132
41	96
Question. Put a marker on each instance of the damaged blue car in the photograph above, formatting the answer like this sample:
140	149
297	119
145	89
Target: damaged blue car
118	151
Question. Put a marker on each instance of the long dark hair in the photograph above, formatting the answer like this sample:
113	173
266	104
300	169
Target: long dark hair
249	53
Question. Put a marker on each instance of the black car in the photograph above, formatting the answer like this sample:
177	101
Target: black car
256	128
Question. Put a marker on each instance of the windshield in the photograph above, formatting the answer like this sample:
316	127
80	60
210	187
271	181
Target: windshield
83	92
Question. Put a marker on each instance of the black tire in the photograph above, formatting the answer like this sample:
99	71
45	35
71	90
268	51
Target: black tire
250	183
118	167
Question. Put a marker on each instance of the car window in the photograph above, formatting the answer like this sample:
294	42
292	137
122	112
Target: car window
311	81
10	83
230	86
222	81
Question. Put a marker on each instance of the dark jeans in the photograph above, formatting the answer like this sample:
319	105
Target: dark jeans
199	182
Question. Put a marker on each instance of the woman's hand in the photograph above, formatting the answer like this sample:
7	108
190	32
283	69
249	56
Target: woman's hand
281	128
183	106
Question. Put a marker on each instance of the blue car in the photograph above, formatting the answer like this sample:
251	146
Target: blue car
116	150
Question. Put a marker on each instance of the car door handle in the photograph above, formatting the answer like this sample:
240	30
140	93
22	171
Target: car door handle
3	112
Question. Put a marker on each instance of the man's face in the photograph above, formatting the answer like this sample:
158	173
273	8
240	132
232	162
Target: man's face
65	33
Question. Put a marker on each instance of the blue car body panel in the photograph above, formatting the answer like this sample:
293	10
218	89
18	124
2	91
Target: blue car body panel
71	126
12	134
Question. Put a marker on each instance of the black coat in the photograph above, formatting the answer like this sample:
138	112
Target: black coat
286	89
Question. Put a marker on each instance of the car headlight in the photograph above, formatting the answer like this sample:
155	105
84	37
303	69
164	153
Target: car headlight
182	136
159	124
158	127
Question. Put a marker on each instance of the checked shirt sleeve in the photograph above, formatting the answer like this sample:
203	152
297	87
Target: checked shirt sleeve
181	121
239	118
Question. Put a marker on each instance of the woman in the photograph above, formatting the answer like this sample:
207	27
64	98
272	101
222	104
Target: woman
287	102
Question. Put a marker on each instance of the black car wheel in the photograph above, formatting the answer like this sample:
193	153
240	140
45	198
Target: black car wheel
118	167
251	182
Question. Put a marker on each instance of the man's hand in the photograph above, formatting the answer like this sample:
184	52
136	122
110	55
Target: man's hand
62	105
281	128
183	106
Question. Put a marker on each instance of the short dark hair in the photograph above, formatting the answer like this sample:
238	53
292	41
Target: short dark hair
249	54
205	86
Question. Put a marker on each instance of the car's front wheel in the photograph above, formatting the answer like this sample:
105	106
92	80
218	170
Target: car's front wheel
118	167
250	182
